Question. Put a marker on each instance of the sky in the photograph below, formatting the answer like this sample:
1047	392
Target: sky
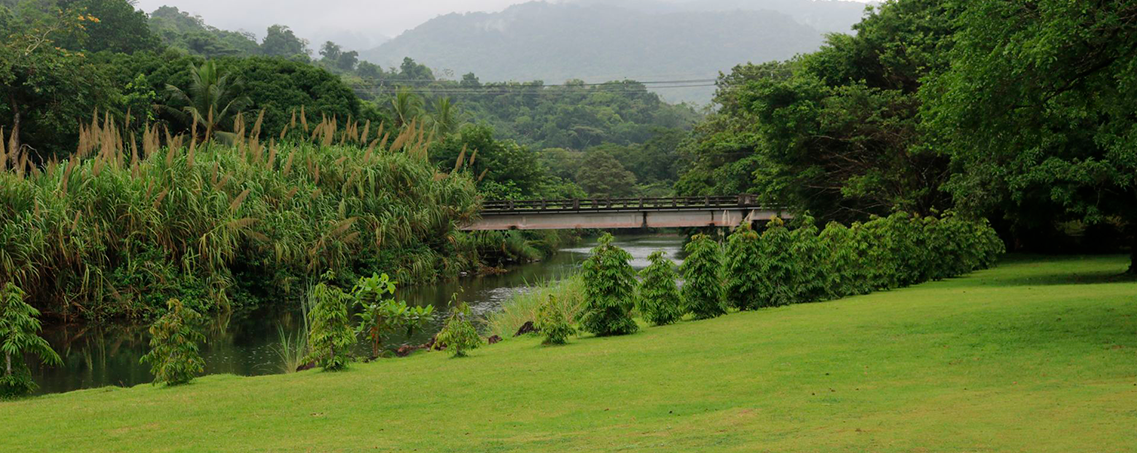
342	21
355	24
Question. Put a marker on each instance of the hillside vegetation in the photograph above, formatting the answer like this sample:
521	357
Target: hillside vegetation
957	365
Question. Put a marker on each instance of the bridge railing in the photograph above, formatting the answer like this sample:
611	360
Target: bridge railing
602	204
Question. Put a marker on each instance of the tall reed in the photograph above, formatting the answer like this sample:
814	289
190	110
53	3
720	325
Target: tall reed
132	220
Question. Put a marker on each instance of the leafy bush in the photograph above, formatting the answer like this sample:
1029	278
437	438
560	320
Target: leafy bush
609	288
459	334
743	269
380	317
553	322
841	269
781	269
659	298
19	335
173	356
807	253
702	285
330	336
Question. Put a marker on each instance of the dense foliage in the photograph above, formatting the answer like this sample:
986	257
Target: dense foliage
610	290
173	356
458	334
118	233
806	265
1036	112
19	336
553	322
1014	111
330	336
834	132
743	270
702	278
659	300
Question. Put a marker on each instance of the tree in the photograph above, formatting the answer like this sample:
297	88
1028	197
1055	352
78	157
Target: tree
211	100
280	41
173	356
39	81
610	290
380	317
702	278
1036	112
330	52
330	336
554	322
504	169
742	268
406	107
602	176
779	268
117	27
835	132
659	298
443	119
19	335
458	334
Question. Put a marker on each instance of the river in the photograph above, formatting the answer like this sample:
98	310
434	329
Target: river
108	355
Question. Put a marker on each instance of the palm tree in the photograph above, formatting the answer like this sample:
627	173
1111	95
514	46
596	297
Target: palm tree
444	118
212	100
407	107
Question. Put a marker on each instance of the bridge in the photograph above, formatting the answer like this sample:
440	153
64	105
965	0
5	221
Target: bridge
614	213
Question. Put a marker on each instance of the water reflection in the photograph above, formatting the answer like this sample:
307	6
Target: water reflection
97	356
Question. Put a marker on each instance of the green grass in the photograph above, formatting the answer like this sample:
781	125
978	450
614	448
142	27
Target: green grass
1039	354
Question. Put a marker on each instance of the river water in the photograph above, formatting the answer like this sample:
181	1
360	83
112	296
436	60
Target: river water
108	355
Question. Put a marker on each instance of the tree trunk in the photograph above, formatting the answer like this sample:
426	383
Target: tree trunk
15	139
8	358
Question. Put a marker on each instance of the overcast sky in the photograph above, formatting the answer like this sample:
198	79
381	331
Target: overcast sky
321	20
355	24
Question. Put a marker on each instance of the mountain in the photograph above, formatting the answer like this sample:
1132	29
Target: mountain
636	39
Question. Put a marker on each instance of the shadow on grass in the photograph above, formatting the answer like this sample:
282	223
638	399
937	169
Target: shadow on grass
1066	274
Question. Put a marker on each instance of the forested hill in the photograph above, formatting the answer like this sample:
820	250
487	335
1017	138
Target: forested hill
599	42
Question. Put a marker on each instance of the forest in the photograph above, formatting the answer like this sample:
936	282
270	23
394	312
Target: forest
1020	114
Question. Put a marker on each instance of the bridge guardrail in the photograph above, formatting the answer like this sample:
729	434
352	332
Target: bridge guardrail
603	204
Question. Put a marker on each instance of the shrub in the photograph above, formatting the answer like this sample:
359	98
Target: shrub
330	336
840	268
609	288
659	298
19	335
742	268
173	356
809	286
459	334
780	268
380	317
702	286
553	322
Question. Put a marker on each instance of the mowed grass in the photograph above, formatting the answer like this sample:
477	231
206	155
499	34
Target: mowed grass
1039	354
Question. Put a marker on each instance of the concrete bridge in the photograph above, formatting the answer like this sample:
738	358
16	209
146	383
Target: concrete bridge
678	212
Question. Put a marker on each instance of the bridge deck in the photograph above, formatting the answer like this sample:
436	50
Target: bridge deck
676	212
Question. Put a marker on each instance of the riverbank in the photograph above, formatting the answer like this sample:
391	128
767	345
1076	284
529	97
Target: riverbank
1037	354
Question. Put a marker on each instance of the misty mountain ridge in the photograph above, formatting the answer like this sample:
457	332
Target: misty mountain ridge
646	40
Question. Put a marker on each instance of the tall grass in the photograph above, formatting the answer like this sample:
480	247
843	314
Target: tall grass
523	306
131	221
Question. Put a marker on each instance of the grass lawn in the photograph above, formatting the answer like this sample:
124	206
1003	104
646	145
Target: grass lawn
1039	354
